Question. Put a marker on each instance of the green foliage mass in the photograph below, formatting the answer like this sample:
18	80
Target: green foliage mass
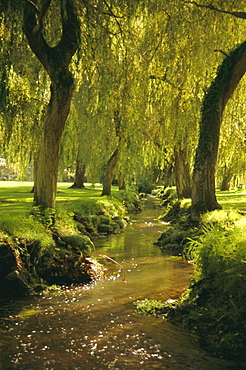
214	305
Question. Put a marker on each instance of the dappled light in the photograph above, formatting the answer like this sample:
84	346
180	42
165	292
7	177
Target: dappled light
96	326
122	184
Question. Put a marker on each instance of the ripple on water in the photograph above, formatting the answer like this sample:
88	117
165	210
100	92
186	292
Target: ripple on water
96	327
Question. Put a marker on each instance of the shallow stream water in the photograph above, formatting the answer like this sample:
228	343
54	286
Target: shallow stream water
96	326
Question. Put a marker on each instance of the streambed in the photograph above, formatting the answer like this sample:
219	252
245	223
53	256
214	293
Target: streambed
96	326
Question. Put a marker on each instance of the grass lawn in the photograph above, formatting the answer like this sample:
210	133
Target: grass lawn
234	199
16	206
16	196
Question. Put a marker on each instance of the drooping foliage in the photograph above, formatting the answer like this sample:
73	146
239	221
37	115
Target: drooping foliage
150	61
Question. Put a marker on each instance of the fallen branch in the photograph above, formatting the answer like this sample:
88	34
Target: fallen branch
117	263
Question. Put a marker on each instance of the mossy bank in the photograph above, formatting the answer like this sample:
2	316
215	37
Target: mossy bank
40	248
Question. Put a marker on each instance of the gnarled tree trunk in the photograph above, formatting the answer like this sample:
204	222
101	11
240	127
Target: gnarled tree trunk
56	62
228	76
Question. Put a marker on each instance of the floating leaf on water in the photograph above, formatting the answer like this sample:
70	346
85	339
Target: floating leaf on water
28	312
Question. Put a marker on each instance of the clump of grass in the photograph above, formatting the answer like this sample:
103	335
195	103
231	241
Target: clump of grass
149	306
214	305
169	196
221	217
130	200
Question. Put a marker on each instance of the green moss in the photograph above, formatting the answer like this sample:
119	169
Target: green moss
43	241
105	228
149	306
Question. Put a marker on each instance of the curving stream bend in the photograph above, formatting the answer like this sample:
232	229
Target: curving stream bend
96	326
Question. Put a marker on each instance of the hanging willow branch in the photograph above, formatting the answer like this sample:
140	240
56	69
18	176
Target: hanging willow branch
222	52
212	7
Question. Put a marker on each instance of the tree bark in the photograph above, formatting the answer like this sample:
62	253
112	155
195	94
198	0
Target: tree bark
227	176
107	182
182	174
169	175
79	176
121	181
112	162
227	79
56	62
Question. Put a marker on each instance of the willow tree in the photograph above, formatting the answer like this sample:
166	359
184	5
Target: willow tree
23	92
178	67
111	93
176	80
228	76
55	60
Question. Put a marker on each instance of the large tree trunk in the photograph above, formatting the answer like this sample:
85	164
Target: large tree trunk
107	182
228	76
48	159
182	174
56	62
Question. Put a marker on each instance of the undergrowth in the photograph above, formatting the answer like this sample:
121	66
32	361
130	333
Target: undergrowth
214	305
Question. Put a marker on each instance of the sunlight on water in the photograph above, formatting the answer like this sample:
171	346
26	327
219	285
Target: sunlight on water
96	326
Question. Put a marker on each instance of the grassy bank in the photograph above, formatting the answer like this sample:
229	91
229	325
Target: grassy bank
52	246
19	218
214	305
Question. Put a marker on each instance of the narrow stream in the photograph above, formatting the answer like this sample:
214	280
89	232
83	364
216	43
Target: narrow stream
96	326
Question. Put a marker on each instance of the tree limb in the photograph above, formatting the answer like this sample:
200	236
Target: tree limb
41	14
222	52
165	79
212	7
34	5
70	38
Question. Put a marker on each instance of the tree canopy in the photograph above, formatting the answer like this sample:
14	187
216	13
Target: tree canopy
81	64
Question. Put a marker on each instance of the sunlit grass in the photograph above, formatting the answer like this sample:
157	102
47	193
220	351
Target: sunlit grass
16	196
234	199
16	207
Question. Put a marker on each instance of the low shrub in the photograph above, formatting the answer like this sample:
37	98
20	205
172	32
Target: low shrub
144	186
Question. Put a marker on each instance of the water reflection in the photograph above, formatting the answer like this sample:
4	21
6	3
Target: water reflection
96	327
